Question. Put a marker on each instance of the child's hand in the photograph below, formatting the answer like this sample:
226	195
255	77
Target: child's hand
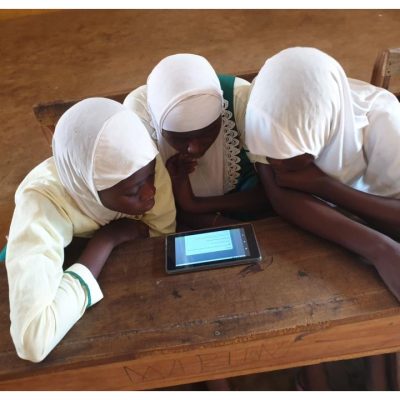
106	238
123	230
179	168
179	165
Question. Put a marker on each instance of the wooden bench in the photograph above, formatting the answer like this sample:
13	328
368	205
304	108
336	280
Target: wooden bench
308	301
48	113
387	65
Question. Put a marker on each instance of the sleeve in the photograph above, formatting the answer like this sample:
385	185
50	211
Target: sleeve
161	219
45	302
257	158
136	101
381	146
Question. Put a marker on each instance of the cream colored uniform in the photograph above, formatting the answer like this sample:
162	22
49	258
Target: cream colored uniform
46	301
218	171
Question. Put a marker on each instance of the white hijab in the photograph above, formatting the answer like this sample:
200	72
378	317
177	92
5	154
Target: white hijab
184	94
96	144
301	102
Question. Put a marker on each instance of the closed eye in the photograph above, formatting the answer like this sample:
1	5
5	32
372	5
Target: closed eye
133	192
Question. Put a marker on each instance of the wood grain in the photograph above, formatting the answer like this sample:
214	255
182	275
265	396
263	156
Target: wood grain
309	301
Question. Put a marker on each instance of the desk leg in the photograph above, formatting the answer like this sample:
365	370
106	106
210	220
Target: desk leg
315	377
394	371
377	376
218	384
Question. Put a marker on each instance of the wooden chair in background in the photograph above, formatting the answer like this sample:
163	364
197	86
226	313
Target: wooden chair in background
387	65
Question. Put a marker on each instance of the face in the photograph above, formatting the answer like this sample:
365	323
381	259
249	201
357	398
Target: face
134	195
291	164
194	144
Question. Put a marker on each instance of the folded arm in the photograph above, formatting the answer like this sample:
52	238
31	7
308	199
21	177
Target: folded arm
317	217
253	200
380	211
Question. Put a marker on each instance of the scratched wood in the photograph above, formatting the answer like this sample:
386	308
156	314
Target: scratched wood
49	113
308	301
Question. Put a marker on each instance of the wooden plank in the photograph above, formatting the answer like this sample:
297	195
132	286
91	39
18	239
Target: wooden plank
49	113
11	14
379	68
308	301
393	64
387	65
241	358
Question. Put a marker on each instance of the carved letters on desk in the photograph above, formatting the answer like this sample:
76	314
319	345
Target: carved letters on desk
204	363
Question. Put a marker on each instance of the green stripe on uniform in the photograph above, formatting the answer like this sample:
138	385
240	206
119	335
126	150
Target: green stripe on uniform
84	285
3	254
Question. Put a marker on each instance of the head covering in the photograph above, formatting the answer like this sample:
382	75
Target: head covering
301	102
178	88
96	144
184	94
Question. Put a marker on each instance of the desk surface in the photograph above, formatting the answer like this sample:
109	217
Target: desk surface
308	301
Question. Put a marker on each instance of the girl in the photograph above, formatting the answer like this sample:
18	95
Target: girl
197	120
321	140
105	181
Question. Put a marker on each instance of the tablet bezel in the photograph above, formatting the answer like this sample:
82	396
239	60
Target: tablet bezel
255	253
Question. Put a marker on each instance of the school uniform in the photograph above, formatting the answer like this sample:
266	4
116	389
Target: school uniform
303	102
186	86
53	204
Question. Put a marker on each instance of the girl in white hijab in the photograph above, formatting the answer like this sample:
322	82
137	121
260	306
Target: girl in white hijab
315	134
197	119
106	182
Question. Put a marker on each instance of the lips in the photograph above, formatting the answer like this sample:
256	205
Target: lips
193	157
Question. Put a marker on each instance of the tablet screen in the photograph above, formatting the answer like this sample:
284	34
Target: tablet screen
210	246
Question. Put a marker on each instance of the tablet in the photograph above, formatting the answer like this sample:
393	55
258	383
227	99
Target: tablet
211	248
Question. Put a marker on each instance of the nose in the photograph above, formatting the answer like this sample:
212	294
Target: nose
193	147
147	192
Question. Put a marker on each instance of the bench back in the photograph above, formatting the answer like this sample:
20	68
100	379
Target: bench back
386	67
49	113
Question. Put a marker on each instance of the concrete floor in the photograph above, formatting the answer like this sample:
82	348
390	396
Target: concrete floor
76	54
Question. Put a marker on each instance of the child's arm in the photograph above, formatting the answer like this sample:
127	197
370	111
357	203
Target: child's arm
380	211
317	217
45	301
99	247
253	200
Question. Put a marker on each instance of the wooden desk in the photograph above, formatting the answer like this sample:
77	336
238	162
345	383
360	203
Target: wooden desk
309	301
